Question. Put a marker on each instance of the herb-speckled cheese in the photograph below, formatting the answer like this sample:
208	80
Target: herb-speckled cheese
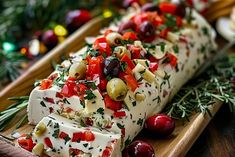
192	47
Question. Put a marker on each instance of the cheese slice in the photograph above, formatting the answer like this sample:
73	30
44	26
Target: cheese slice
64	137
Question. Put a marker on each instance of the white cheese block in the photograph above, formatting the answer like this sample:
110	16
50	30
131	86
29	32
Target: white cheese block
193	50
66	137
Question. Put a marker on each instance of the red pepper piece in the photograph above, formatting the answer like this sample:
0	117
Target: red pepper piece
129	36
107	152
129	62
78	136
102	45
89	136
167	7
164	32
25	141
111	104
48	143
131	82
74	152
63	135
135	52
153	67
107	32
50	100
102	85
45	84
119	114
82	88
95	67
70	88
172	59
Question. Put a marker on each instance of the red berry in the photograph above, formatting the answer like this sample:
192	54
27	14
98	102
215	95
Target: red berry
160	125
74	19
49	39
139	149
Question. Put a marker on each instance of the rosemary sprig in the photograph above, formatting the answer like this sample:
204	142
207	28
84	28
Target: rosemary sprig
196	96
7	115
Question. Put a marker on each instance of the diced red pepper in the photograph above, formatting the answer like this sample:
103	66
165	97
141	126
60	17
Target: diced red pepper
45	84
157	21
167	7
107	32
82	88
129	62
50	100
179	21
152	59
83	136
131	82
74	152
89	136
59	95
102	45
129	36
70	88
111	104
78	136
107	152
163	33
119	114
102	85
48	143
63	135
95	67
172	59
153	67
135	52
121	75
53	76
25	141
123	131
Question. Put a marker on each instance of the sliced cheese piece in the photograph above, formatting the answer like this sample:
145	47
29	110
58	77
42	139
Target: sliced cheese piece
64	137
94	104
144	72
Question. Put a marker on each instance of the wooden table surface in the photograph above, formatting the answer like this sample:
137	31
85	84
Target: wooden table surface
218	139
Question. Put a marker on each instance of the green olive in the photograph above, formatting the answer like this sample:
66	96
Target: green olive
117	89
78	70
40	129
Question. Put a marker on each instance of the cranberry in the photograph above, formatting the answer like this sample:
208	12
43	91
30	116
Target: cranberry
147	29
128	3
74	19
180	10
126	26
139	149
49	39
150	7
160	125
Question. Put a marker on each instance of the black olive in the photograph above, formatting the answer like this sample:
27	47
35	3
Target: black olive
147	29
150	7
125	26
180	10
111	66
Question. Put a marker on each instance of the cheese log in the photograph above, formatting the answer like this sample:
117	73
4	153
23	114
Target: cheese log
64	137
194	46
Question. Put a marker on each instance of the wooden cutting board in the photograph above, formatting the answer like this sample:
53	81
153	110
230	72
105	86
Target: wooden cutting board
176	145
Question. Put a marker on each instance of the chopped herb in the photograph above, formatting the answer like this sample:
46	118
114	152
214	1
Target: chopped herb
108	78
128	141
66	101
162	46
43	104
140	121
89	95
85	145
123	66
56	133
120	126
90	84
143	71
100	111
49	123
134	103
176	48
